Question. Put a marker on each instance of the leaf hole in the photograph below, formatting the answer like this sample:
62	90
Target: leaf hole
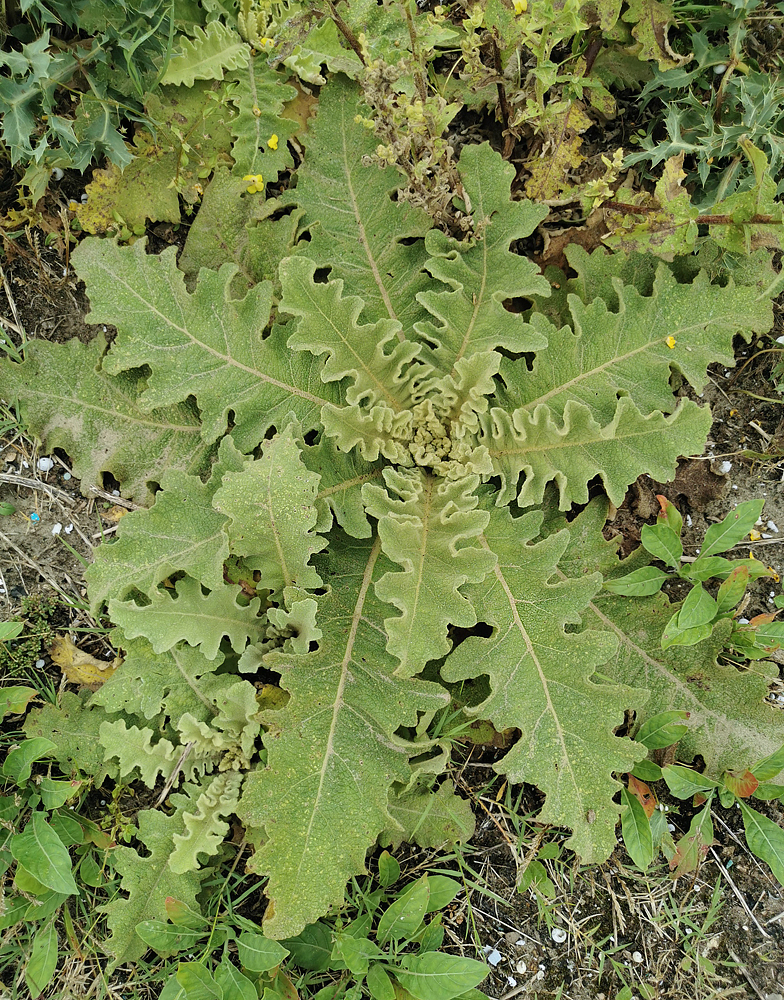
321	275
518	304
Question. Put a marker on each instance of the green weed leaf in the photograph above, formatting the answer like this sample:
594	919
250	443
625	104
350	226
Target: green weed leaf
636	830
662	543
42	853
641	583
734	528
42	964
212	50
764	838
437	976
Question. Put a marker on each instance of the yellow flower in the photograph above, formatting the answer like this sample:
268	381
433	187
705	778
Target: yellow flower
754	536
670	342
272	142
520	6
256	183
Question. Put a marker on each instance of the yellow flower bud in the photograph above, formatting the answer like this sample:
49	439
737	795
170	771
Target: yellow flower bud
272	142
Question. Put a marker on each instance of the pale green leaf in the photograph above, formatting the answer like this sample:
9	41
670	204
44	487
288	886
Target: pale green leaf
481	274
19	761
74	727
340	487
180	680
259	954
432	819
575	450
271	511
134	749
207	55
206	828
232	981
69	401
730	723
430	527
197	982
198	618
326	795
641	582
206	344
402	918
662	543
148	881
733	528
356	228
181	531
259	96
540	679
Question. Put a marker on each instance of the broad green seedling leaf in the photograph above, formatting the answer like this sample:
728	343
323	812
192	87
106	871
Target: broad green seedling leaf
662	730
734	528
636	829
662	543
765	838
402	918
436	976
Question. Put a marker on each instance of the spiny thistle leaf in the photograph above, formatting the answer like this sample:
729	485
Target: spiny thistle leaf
212	50
429	526
482	273
332	752
181	531
356	229
270	504
205	345
540	678
148	881
730	724
71	402
200	619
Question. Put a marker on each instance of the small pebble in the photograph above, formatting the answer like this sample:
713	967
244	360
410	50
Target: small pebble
511	981
68	529
494	957
671	827
57	528
115	493
57	174
636	957
721	68
521	967
688	520
45	464
558	934
725	467
66	476
40	664
734	486
771	526
35	518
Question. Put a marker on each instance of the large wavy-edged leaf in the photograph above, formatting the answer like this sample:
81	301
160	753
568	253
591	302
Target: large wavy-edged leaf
634	349
340	488
205	823
482	273
178	681
193	616
181	531
148	881
135	751
271	511
212	50
356	229
540	679
69	401
206	344
429	526
572	451
261	134
730	724
374	356
332	752
432	819
73	726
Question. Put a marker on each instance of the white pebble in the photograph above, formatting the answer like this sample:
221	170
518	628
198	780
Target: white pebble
511	981
57	173
57	528
494	957
671	827
68	529
771	526
734	486
725	467
25	465
688	520
558	934
45	464
721	68
521	967
66	476
115	493
40	664
84	198
540	974
636	957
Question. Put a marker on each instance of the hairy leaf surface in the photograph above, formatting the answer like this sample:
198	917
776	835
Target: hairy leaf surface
333	755
70	401
540	677
204	344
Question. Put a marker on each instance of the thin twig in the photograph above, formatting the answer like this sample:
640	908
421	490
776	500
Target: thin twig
37	484
36	567
749	980
120	501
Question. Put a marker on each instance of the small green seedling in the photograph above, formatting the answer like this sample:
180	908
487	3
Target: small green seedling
644	826
698	614
386	945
